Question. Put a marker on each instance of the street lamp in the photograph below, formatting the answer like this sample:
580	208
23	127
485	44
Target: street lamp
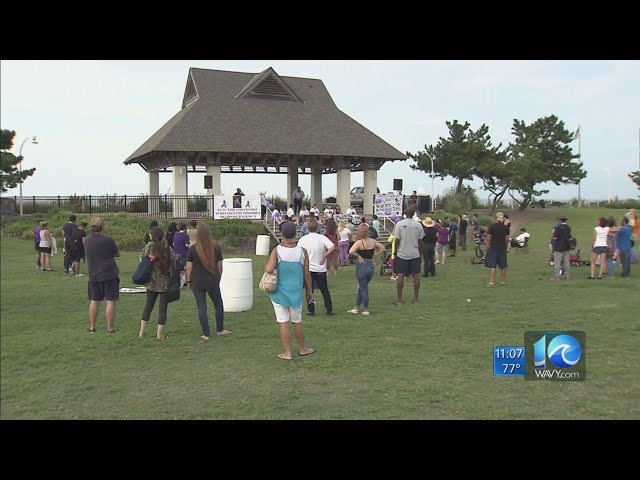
433	196
608	170
32	140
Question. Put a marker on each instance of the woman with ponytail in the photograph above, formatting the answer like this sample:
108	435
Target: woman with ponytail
204	269
163	260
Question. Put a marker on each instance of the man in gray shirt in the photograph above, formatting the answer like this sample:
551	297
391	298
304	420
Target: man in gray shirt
408	234
298	195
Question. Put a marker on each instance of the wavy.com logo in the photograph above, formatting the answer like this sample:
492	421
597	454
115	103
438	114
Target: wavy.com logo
556	355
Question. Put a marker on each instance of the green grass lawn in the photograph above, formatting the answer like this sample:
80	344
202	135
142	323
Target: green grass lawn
432	360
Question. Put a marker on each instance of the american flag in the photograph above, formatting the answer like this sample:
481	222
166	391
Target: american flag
577	134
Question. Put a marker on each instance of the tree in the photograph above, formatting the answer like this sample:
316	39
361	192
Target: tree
457	156
635	177
10	175
496	175
541	153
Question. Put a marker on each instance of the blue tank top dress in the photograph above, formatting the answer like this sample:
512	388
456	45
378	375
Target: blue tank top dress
290	282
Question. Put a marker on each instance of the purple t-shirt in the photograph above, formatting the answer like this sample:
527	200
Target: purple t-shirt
181	244
37	232
443	236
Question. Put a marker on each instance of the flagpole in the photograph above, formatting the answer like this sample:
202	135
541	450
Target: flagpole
580	157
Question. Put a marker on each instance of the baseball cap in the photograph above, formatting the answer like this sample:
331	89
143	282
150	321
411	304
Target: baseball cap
499	217
288	230
562	219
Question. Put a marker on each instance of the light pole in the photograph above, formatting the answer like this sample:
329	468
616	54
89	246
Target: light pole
433	196
33	140
608	170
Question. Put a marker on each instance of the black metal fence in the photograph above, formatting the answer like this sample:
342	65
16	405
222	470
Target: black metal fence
161	206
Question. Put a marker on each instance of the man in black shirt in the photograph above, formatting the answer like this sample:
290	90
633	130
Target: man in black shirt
462	231
496	243
67	233
428	246
561	250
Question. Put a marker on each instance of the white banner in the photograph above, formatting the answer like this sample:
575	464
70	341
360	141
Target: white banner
236	206
391	204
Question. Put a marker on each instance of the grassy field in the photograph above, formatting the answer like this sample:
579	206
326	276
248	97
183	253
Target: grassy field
426	361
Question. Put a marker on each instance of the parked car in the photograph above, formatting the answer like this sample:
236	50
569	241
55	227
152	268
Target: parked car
357	195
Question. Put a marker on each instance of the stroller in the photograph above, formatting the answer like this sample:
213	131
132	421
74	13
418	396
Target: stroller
478	239
386	268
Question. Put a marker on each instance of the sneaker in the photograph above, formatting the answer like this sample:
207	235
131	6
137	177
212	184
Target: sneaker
71	271
366	313
354	310
79	275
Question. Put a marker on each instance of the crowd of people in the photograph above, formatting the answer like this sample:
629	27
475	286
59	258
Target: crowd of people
325	241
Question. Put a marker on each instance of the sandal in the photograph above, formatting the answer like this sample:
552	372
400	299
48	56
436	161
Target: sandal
309	352
163	337
223	333
91	330
282	357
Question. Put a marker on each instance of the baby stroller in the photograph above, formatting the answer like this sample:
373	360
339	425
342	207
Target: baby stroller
386	268
478	239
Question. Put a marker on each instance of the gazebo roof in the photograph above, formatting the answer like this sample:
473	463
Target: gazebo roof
229	112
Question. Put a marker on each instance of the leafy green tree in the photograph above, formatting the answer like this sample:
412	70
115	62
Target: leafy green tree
10	175
635	177
458	156
541	153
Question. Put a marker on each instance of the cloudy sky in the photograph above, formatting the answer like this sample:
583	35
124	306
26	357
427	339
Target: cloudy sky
89	116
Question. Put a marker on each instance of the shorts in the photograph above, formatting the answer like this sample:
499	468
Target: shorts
287	314
108	290
77	256
407	267
495	258
44	249
600	250
441	248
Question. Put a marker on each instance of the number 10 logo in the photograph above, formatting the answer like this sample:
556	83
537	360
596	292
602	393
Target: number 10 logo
563	351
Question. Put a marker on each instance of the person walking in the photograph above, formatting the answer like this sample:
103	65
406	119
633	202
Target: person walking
203	273
46	247
561	250
77	248
67	233
319	248
292	264
496	243
163	260
408	234
363	250
104	281
36	234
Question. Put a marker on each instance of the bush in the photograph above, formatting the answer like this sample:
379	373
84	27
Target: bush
459	202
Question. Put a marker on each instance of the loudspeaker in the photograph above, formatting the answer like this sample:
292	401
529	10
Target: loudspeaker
397	184
208	181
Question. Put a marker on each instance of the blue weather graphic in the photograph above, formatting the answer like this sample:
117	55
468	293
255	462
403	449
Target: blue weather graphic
564	351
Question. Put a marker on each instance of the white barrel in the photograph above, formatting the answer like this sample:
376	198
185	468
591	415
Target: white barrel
263	242
236	284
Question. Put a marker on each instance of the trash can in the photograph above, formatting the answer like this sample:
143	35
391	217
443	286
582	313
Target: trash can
236	284
263	242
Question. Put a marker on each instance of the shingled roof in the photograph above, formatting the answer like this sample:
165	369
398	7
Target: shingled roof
263	114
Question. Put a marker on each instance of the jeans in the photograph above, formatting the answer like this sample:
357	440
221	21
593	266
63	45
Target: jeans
428	252
297	205
364	274
561	263
625	260
151	301
343	248
201	302
320	278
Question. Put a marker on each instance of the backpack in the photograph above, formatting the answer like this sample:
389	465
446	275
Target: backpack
573	242
143	272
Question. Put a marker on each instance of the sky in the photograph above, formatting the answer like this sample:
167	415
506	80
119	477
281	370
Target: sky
89	116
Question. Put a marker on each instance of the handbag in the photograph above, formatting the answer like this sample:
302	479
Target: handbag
269	282
143	272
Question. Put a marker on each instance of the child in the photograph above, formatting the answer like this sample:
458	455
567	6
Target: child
392	241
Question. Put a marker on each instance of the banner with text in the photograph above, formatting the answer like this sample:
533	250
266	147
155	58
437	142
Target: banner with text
246	207
391	204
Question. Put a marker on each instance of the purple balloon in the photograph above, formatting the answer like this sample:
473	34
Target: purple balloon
378	200
270	205
394	217
387	212
276	214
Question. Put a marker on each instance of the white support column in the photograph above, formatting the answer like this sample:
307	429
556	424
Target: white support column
292	179
180	190
316	187
343	197
370	189
213	171
153	203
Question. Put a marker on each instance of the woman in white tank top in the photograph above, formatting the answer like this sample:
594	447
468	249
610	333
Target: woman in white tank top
45	248
599	248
